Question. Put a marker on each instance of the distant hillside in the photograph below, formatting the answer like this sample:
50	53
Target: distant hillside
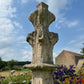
18	63
12	64
21	63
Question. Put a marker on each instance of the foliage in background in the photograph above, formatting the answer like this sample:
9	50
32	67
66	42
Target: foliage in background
2	64
82	51
11	64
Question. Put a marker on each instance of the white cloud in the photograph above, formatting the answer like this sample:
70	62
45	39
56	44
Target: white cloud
24	42
56	7
7	53
26	58
5	8
8	33
6	26
17	24
27	55
72	49
41	1
21	39
81	36
24	1
72	24
81	29
6	12
54	56
72	41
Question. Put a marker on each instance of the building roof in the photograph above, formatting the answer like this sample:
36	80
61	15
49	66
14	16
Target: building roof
73	53
70	52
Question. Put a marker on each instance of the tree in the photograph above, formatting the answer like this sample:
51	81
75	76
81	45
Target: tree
0	59
82	51
2	63
11	64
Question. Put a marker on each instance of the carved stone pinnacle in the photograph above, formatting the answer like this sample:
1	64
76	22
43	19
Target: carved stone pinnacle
41	40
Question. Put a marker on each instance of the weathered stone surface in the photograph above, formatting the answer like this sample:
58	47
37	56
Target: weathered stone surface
41	66
42	77
42	42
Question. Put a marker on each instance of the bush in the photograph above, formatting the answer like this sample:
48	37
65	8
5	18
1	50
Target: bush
2	64
62	73
11	64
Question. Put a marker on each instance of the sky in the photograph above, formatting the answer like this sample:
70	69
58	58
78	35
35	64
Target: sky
15	26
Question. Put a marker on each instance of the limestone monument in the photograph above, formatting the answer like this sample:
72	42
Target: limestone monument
42	42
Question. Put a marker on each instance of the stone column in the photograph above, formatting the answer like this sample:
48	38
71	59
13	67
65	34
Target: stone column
42	42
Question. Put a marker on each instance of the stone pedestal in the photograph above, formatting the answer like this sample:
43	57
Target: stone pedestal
42	42
42	77
42	73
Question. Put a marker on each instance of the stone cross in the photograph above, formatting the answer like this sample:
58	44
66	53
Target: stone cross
41	40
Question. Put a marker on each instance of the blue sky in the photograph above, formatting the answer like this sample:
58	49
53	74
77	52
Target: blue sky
14	27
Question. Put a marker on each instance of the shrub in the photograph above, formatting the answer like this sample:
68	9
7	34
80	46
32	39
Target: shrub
11	64
2	64
77	80
62	73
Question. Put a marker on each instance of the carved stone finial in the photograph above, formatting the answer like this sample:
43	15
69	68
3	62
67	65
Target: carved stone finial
41	17
41	40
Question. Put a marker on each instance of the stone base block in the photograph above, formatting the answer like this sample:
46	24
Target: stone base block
42	77
42	73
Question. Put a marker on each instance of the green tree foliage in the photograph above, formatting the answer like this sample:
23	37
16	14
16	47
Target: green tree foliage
11	64
82	51
2	63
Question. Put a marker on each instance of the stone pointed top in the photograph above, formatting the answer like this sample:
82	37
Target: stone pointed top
42	5
41	17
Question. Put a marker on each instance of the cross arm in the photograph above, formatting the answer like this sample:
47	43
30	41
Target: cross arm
53	37
31	38
51	18
33	18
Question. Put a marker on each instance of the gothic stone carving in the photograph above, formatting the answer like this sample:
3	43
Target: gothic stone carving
41	40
